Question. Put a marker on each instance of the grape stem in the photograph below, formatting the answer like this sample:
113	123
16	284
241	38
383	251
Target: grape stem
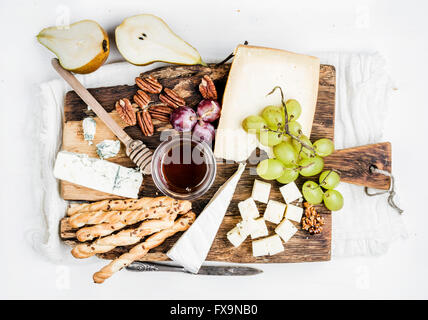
286	129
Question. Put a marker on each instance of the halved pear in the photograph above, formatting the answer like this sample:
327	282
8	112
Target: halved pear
82	47
145	38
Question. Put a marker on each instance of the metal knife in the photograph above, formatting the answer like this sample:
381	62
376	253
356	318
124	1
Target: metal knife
204	270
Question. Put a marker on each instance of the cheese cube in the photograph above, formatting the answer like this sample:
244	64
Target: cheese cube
259	228
248	209
286	230
261	191
236	237
267	246
290	192
274	211
293	213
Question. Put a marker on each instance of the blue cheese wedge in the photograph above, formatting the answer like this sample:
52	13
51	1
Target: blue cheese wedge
98	174
89	129
267	246
108	148
286	230
274	211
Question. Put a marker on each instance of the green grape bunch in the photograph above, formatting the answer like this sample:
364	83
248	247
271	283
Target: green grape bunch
278	127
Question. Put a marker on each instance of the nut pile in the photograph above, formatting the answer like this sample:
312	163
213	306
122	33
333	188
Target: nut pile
170	100
312	221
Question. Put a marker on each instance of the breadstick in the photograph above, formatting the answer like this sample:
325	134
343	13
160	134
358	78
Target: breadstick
129	218
96	217
123	238
140	250
116	205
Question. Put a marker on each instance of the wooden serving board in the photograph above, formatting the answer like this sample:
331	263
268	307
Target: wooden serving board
185	80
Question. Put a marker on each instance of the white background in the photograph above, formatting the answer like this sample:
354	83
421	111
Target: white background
396	29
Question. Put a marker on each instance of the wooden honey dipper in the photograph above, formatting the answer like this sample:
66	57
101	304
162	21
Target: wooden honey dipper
135	149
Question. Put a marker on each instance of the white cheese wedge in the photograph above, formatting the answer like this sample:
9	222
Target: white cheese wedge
267	246
290	192
286	230
248	209
261	191
98	174
274	211
254	73
259	228
293	213
192	248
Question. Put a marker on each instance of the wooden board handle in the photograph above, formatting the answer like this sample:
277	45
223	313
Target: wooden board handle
92	102
354	164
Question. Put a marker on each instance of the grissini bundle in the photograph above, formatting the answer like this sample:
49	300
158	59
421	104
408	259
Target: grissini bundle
123	238
116	205
140	250
129	218
100	216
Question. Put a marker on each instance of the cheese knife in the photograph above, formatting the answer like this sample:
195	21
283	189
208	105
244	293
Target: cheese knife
204	270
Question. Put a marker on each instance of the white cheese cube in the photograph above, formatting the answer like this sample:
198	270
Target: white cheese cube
267	246
259	228
261	191
274	211
293	213
286	230
236	237
248	209
290	192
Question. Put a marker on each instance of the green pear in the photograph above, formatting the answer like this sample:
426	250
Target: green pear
145	38
81	47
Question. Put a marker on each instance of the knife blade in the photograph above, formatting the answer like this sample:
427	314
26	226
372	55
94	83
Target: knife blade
204	270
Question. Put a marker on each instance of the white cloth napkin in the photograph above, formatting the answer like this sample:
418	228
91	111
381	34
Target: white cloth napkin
365	226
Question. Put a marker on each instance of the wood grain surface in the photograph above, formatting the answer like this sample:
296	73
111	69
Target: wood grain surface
185	80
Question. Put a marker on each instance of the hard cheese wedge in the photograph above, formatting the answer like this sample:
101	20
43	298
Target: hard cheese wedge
192	248
254	73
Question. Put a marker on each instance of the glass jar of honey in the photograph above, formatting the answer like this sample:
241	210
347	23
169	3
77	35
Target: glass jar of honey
183	168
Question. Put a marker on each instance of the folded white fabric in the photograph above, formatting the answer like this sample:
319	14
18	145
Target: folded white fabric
365	226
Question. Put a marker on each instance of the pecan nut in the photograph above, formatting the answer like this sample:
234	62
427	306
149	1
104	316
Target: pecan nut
150	84
145	122
207	88
172	99
142	99
312	221
161	112
126	111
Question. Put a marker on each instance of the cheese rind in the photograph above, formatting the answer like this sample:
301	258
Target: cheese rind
267	246
254	73
248	209
97	174
293	213
286	230
274	211
290	192
261	191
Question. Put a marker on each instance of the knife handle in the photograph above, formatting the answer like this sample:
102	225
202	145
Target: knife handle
151	266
